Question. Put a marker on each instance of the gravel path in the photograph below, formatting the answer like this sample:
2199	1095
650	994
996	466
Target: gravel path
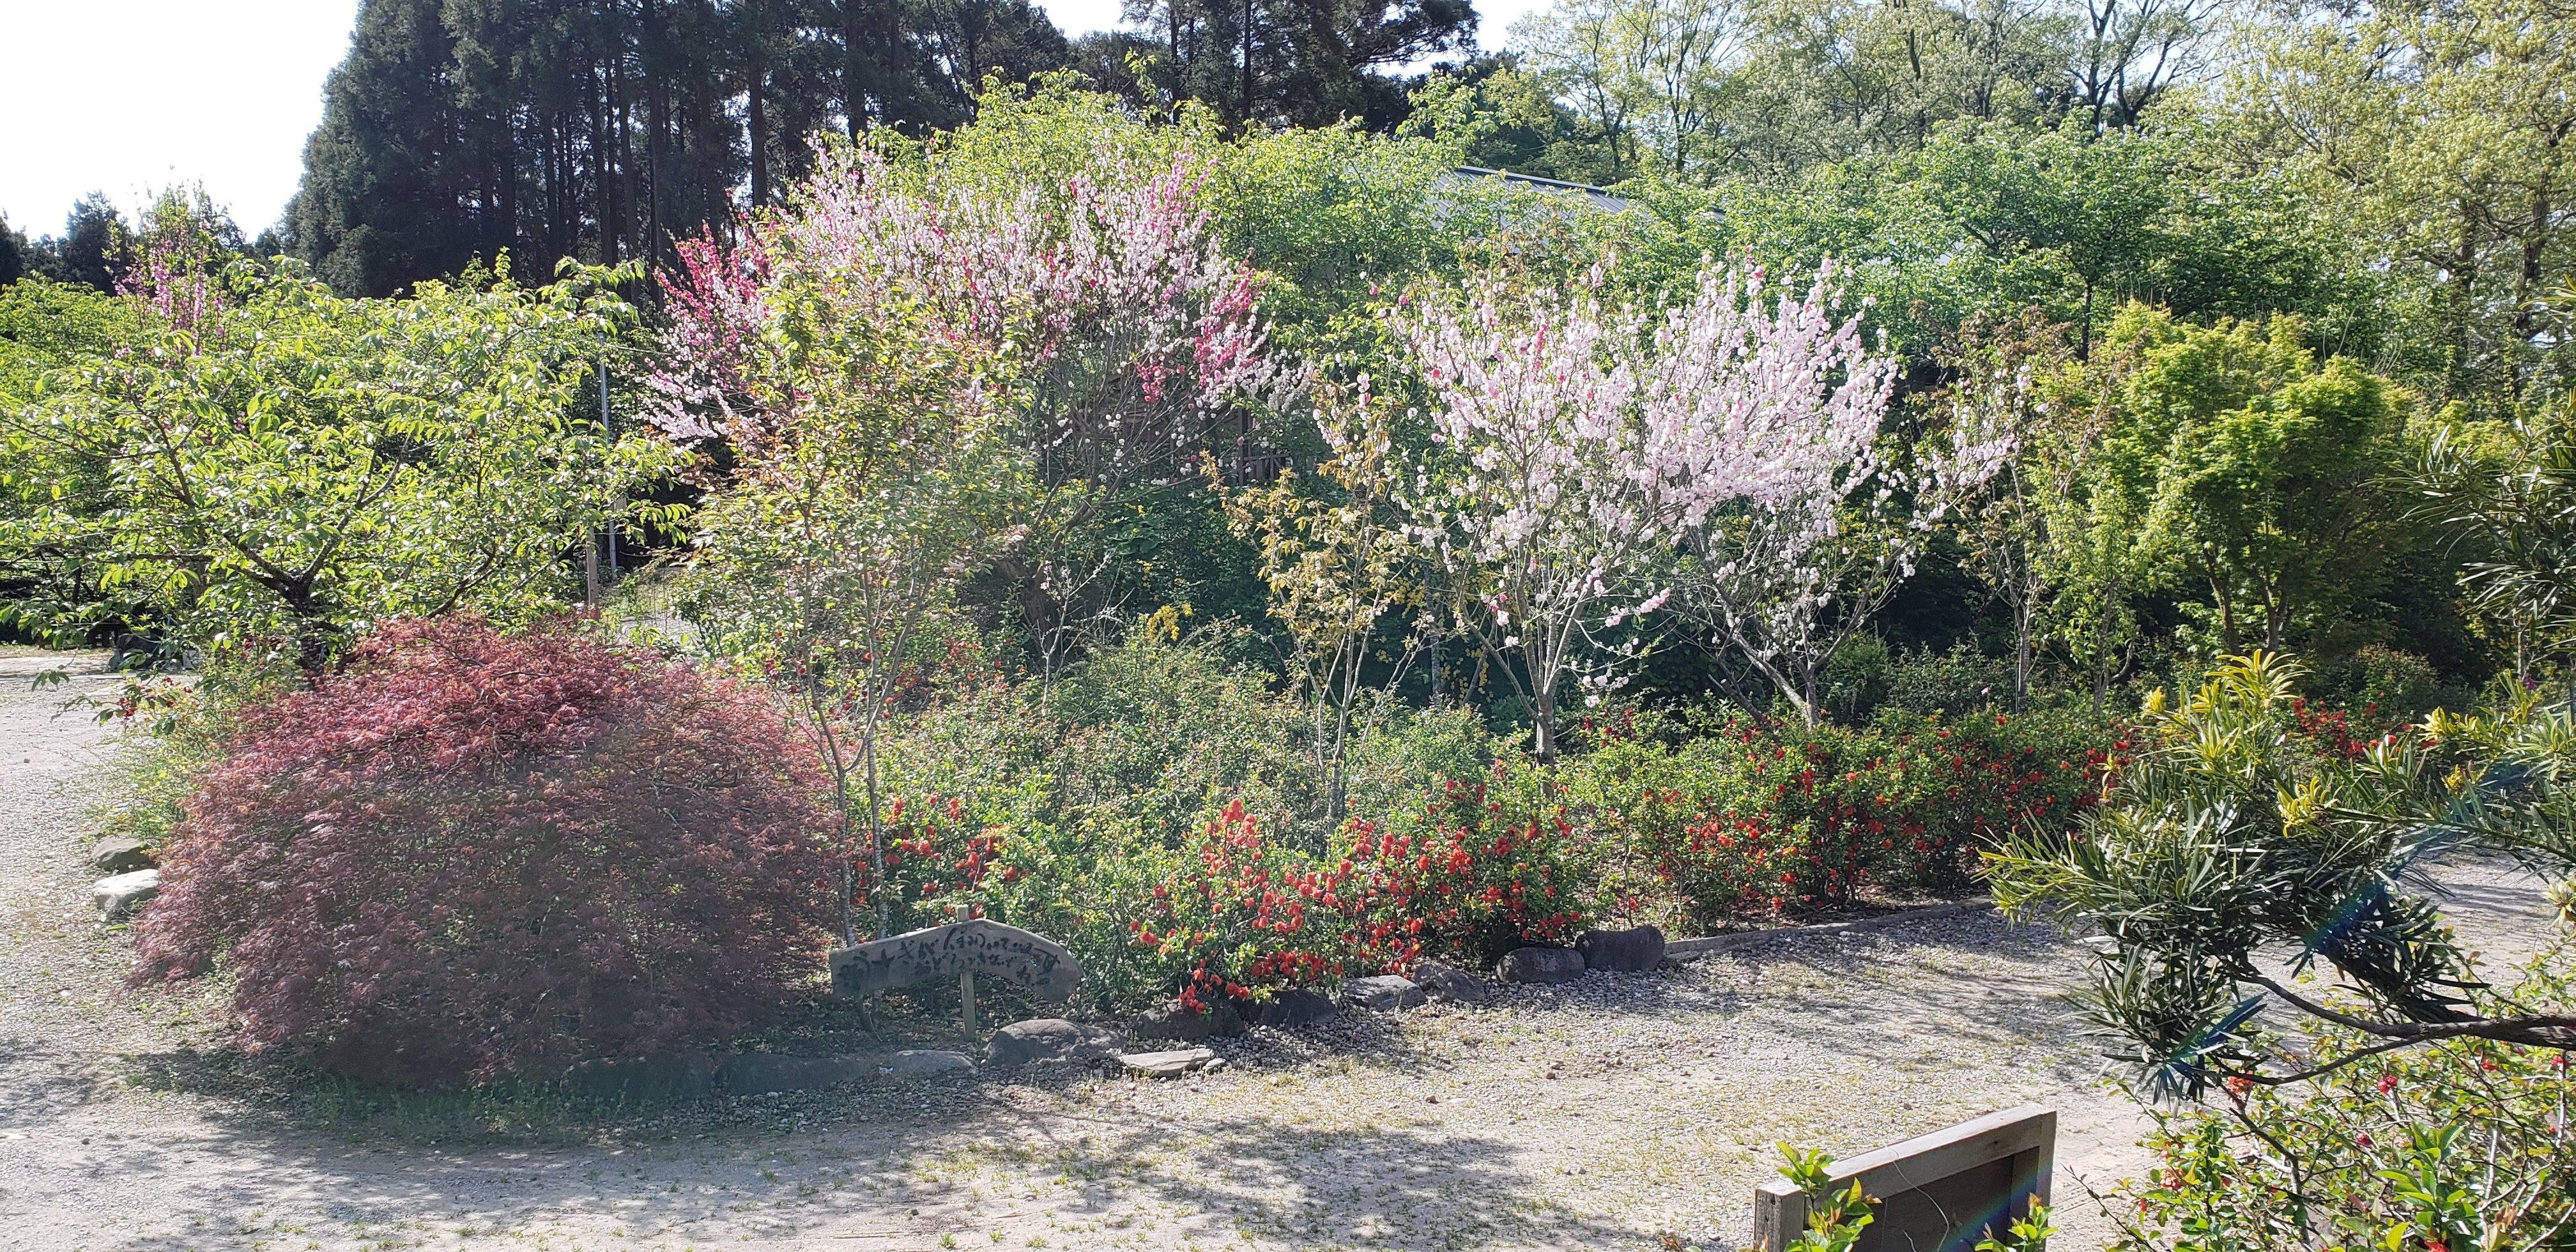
1608	1113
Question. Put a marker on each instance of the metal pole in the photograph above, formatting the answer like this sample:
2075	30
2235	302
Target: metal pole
607	430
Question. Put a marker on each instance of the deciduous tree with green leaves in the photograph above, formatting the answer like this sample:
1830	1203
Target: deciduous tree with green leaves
255	462
1335	567
2265	464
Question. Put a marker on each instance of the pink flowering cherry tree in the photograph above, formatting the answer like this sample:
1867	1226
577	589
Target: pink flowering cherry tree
1783	579
1581	447
1125	339
921	380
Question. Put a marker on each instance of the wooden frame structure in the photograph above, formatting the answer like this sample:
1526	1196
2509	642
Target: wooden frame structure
1940	1192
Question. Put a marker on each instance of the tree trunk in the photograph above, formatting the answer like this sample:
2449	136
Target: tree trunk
759	127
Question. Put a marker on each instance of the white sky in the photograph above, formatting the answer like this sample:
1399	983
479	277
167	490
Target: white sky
131	96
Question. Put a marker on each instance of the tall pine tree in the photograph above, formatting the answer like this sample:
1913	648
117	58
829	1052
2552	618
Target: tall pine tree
604	129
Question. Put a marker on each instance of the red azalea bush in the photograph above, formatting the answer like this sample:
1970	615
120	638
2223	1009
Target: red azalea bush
1239	912
1483	868
1762	819
472	854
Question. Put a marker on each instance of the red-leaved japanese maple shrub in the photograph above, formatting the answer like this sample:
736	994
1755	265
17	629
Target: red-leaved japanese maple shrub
472	855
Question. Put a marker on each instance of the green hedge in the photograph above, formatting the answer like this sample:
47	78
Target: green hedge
1016	802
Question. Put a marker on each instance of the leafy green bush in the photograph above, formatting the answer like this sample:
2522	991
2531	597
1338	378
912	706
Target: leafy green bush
1164	732
2456	1145
1953	682
1065	808
1406	755
2384	688
1749	819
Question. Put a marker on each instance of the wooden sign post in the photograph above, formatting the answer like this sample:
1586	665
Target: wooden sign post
966	978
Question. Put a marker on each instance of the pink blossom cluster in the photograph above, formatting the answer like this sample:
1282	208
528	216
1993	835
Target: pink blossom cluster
1112	306
171	277
1586	442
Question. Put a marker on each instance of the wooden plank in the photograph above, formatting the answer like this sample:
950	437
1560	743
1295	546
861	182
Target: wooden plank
2017	1147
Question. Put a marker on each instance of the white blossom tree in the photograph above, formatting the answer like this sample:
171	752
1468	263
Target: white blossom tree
1582	445
1785	578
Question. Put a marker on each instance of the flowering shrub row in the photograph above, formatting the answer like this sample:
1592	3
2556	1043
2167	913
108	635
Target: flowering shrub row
477	854
1237	910
1742	822
1751	820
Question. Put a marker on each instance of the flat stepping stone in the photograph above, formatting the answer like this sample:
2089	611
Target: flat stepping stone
1166	1064
119	896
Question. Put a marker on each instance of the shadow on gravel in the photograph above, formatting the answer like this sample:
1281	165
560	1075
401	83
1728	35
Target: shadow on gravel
1387	1188
1884	992
1391	1188
36	1079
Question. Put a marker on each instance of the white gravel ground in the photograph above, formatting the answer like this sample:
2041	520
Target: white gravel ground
1609	1113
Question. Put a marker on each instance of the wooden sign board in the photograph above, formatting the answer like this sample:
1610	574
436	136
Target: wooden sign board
981	946
1940	1192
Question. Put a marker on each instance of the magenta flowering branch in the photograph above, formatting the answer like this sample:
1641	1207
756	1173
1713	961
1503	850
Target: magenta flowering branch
1112	334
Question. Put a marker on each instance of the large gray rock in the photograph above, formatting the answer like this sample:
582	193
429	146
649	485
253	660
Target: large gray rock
1167	1064
120	856
1049	1039
755	1072
1174	1022
1542	965
118	897
1622	951
644	1079
927	1063
1298	1006
1385	993
1457	986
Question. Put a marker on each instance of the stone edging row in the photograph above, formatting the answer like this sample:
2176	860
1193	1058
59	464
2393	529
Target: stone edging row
1687	949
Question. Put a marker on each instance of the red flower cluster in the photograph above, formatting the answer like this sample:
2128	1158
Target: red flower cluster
1484	870
1792	817
1245	912
2329	730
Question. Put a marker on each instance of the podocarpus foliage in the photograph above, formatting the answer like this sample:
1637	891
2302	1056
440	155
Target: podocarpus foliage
2245	823
472	855
1579	443
2461	1144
